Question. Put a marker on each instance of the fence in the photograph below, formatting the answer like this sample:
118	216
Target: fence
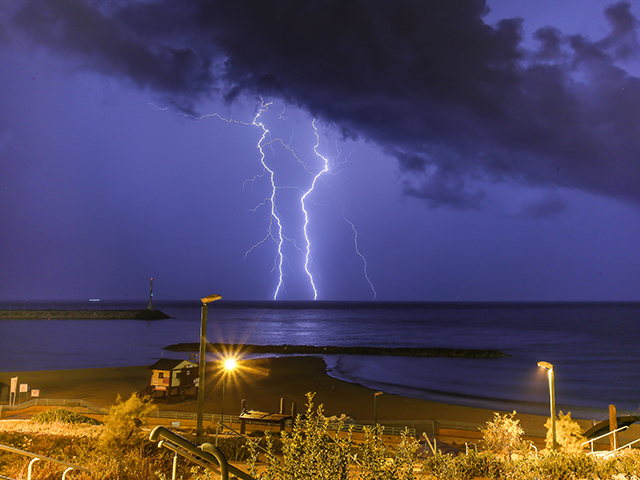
395	428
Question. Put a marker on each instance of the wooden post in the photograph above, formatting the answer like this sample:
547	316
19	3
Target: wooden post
281	405
613	426
294	411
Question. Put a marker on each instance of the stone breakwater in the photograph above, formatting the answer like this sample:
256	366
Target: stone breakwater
333	350
53	314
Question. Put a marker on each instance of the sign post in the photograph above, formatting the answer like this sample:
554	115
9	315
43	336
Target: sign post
13	391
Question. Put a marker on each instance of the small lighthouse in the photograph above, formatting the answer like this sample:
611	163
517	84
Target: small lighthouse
150	307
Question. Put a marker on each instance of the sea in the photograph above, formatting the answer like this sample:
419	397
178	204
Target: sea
594	347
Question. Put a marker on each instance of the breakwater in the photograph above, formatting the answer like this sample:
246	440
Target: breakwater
337	350
54	314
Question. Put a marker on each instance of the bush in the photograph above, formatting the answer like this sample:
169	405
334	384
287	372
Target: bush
311	451
122	423
568	434
54	415
503	435
463	467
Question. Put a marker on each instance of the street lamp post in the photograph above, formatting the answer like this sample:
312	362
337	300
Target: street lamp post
552	395
375	407
229	365
202	362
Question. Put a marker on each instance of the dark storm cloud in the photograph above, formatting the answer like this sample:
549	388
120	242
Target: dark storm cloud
455	100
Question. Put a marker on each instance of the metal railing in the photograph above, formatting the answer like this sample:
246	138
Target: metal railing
394	428
207	456
54	402
36	457
591	441
613	452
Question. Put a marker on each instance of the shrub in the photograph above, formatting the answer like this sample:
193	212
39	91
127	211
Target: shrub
464	467
561	466
503	435
54	415
311	451
568	434
121	426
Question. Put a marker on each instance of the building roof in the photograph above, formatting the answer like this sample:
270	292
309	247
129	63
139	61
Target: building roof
264	416
170	364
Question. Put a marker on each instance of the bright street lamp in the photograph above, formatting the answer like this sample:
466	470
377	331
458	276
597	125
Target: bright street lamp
202	362
552	394
375	407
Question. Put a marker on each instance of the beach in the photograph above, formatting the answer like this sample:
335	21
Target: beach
262	383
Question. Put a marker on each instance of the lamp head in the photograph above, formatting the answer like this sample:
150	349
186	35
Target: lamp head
210	298
546	365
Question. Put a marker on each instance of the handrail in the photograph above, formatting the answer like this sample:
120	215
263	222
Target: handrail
222	460
602	436
628	445
213	457
36	457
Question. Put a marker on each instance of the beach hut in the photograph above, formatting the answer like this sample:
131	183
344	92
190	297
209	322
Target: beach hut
173	379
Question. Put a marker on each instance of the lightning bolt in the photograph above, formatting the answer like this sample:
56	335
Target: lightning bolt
307	257
272	201
275	230
362	257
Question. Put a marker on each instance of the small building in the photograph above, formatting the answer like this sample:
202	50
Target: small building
173	380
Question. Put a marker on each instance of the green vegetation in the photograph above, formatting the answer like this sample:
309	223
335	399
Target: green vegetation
569	436
55	415
503	436
53	314
313	449
329	350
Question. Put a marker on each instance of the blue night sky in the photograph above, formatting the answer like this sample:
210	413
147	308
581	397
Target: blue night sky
474	151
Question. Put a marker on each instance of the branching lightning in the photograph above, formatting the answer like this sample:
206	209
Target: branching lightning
362	257
275	230
303	199
272	199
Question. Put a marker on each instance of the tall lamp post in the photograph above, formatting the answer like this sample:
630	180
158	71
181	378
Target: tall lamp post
375	407
552	395
202	362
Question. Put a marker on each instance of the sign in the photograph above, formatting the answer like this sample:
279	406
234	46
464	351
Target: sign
24	387
175	424
35	393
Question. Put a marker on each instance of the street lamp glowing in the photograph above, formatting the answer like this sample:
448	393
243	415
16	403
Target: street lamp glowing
202	362
546	365
552	395
229	364
210	298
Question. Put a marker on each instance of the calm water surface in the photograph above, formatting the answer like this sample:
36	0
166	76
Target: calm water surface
594	347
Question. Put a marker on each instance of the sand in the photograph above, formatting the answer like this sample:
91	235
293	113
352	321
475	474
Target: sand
262	383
